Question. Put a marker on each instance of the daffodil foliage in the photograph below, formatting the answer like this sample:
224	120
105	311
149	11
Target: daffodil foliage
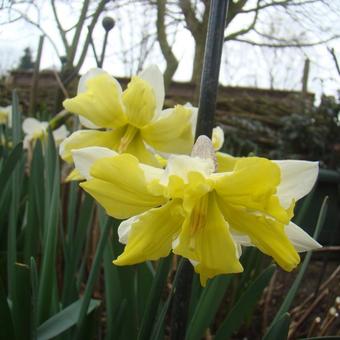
201	209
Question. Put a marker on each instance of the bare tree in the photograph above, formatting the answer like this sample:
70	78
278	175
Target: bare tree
75	38
300	16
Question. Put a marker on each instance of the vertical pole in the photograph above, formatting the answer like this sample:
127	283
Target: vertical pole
205	122
305	84
211	67
33	94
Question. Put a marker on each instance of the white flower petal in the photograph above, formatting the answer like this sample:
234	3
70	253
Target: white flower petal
124	228
60	134
300	239
297	180
26	141
243	240
154	77
31	126
181	165
82	88
194	116
150	172
85	157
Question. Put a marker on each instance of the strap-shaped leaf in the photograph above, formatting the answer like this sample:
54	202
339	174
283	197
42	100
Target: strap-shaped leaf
207	306
280	329
154	298
6	322
65	319
295	286
244	305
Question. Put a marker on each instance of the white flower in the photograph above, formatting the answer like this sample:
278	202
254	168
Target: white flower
35	129
6	115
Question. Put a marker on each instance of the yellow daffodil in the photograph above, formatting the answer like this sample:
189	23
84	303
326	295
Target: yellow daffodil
198	212
133	119
34	129
6	115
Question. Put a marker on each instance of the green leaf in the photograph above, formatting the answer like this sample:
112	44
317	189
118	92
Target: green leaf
63	320
92	278
6	322
74	246
48	281
9	169
10	165
296	284
244	305
335	337
113	289
34	287
154	298
34	205
159	324
21	302
280	330
16	119
207	306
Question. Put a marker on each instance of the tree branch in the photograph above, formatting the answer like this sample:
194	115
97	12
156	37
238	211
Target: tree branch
60	28
288	44
234	9
80	62
232	36
193	24
336	62
72	52
171	60
37	25
284	3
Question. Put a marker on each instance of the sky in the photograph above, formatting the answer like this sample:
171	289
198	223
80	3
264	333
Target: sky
242	65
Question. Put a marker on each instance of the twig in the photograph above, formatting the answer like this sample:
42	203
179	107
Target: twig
61	85
296	325
315	324
331	316
323	286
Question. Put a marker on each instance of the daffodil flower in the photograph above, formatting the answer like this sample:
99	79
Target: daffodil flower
34	129
198	212
133	119
6	115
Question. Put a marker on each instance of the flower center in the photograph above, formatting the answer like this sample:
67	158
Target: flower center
127	138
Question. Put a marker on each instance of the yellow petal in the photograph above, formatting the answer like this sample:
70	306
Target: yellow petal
225	162
74	175
120	186
253	184
100	103
205	238
171	132
266	234
151	234
137	148
84	138
140	102
217	138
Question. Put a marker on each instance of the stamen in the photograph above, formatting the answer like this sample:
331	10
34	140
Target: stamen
127	138
204	149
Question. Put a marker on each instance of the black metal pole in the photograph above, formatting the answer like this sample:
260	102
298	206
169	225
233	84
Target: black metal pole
205	123
211	67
